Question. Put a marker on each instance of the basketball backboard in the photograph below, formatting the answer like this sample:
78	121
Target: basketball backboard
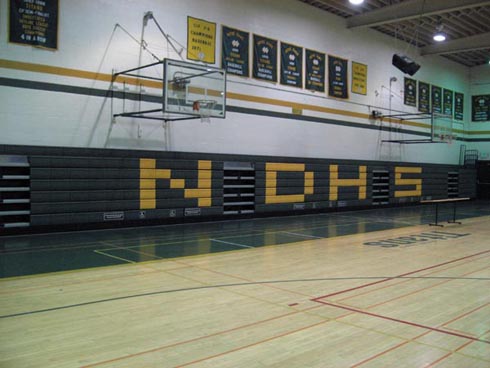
442	128
193	89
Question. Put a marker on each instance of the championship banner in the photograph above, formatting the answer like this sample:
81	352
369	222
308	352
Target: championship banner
480	108
291	65
201	40
34	23
410	92
359	78
448	102
424	97
235	51
265	58
337	77
458	106
436	99
315	71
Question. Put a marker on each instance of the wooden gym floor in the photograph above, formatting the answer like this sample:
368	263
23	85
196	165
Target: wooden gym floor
376	288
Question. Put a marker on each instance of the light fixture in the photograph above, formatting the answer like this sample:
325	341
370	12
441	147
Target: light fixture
439	36
356	2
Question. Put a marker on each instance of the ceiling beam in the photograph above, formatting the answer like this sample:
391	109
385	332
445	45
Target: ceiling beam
409	10
478	42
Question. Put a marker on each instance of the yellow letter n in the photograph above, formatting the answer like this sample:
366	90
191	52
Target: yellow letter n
149	175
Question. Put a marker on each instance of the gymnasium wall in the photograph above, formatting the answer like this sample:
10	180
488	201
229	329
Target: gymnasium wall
50	187
480	85
59	98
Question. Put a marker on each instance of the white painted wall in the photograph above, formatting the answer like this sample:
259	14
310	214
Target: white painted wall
89	41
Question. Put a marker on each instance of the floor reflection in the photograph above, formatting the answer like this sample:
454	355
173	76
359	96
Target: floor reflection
34	254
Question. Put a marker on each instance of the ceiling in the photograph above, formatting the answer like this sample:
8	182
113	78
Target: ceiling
466	23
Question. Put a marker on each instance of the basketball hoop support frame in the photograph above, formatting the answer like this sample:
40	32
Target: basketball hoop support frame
146	114
164	113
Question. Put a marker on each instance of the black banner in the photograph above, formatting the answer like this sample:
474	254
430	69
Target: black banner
315	71
265	58
448	102
410	92
436	99
34	22
458	106
291	65
424	97
480	108
234	51
337	77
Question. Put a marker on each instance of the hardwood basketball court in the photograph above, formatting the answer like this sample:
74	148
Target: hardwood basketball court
409	296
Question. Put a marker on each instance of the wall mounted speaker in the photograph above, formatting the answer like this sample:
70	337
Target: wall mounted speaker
405	64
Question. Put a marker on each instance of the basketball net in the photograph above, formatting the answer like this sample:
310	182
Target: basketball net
447	138
204	108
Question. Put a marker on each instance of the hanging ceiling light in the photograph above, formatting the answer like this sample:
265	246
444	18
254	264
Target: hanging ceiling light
439	35
356	2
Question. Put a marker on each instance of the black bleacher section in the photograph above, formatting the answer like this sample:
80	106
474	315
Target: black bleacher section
483	179
109	187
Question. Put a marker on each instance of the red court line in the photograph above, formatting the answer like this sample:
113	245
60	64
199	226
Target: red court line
394	277
277	317
438	360
463	346
470	342
466	343
202	337
388	350
243	279
419	336
403	281
252	344
380	354
455	351
435	329
422	289
465	314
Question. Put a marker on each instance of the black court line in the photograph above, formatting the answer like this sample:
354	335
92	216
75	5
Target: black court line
241	284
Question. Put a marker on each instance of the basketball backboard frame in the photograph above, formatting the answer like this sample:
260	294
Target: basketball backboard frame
188	85
436	136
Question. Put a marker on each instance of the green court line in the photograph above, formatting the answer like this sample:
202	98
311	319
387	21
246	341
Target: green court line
305	235
111	256
218	233
257	232
235	244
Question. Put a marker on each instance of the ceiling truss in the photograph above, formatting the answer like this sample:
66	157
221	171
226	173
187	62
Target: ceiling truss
466	23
